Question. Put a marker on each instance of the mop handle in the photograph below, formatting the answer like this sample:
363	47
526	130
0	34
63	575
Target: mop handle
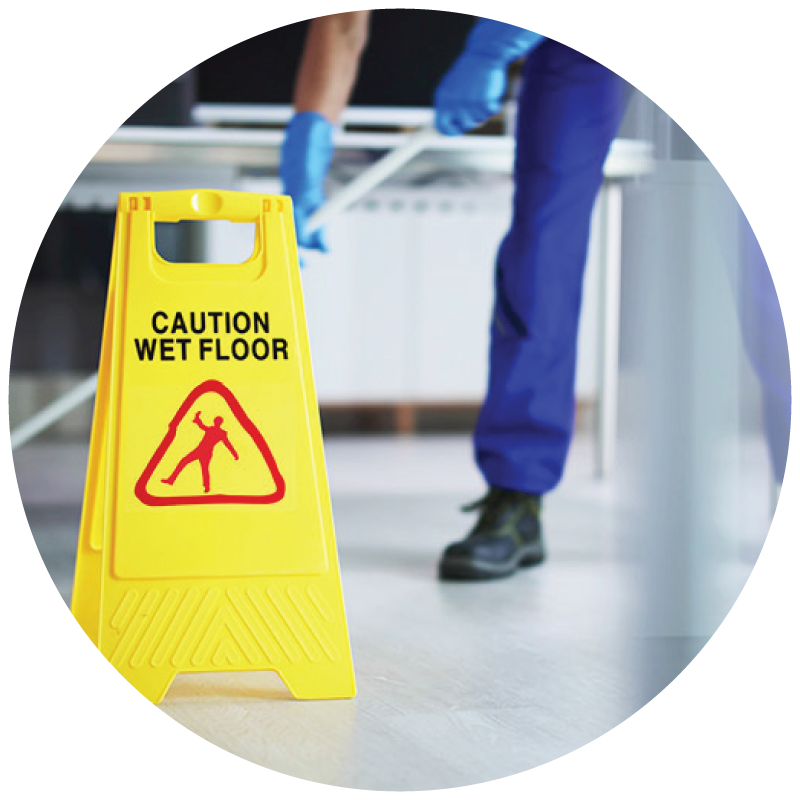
53	412
372	176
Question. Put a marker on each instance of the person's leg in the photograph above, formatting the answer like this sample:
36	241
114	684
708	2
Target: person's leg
182	464
204	465
570	109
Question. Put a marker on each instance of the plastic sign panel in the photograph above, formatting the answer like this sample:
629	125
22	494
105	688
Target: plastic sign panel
207	539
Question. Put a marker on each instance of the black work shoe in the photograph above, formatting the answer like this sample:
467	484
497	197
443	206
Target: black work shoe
508	535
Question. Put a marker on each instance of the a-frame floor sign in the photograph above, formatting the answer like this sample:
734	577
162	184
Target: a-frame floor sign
207	540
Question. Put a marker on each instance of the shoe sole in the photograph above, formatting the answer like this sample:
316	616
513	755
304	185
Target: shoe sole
471	570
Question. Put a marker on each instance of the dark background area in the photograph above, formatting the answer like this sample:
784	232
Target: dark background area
408	52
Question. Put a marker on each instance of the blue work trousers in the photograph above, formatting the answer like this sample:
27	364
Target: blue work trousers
570	109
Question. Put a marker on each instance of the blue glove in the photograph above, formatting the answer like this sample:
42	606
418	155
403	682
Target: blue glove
305	158
473	89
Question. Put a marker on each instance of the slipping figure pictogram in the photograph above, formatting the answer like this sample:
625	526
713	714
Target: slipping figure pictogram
212	436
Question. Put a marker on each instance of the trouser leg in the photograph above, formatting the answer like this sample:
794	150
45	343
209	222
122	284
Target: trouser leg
570	109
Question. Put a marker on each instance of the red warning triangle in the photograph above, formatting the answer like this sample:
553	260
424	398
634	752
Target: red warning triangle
216	387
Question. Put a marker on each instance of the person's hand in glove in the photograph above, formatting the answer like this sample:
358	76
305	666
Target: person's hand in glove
472	91
325	79
305	158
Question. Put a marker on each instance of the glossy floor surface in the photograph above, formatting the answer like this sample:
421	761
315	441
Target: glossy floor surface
457	683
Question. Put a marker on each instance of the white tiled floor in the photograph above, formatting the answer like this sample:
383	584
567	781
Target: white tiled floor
457	683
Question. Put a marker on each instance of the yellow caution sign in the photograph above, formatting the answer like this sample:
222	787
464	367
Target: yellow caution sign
207	540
